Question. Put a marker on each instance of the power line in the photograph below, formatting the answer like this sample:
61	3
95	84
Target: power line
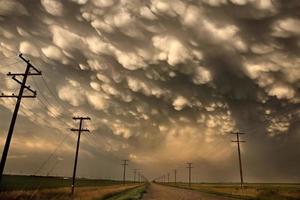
8	57
42	95
9	64
45	103
53	167
51	155
54	95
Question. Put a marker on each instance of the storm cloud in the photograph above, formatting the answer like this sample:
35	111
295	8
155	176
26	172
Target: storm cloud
164	81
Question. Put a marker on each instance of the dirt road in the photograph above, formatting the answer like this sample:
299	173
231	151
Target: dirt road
160	192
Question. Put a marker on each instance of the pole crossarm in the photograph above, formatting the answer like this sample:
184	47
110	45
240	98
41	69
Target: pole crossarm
23	81
29	64
238	141
124	170
17	96
23	88
81	118
79	130
239	133
23	74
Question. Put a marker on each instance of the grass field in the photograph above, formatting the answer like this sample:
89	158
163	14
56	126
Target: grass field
257	191
16	182
37	187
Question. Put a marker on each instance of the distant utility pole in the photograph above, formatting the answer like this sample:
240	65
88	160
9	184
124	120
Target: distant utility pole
139	177
168	178
29	71
238	141
175	176
190	173
134	175
164	178
79	130
124	170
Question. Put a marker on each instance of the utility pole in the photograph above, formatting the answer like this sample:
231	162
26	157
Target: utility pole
175	176
139	177
29	71
238	141
168	178
190	172
134	175
79	130
124	170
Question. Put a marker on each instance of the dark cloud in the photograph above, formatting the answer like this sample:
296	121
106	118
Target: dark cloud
164	81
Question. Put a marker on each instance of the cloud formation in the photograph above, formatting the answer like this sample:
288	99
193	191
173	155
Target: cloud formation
161	75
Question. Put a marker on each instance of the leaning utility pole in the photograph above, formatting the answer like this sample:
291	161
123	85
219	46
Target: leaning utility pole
28	72
238	141
81	119
175	176
190	172
124	170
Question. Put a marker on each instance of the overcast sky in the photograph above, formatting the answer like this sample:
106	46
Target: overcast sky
164	81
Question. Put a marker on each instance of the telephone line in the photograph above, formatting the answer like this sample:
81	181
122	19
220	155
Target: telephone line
42	95
46	103
52	154
53	94
46	107
9	64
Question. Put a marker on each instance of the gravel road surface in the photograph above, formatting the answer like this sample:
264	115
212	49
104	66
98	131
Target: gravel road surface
160	192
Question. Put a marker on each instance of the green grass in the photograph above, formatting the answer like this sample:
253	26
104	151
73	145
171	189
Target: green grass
17	182
252	191
131	194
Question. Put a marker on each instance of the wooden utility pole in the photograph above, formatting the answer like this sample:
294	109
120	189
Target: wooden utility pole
134	175
175	176
190	173
238	141
79	130
139	177
124	170
29	71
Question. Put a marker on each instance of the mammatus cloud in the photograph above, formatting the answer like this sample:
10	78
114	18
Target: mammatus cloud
159	75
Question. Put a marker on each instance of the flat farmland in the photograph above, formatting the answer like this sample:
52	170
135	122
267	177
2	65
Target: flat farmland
261	191
16	182
37	187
